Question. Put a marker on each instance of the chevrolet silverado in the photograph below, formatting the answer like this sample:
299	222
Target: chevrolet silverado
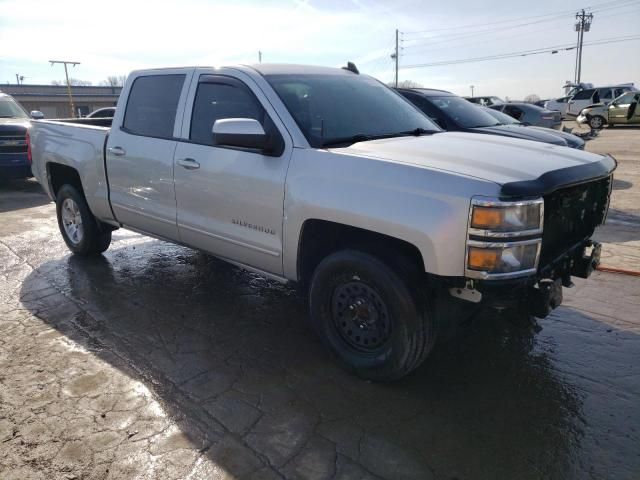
328	178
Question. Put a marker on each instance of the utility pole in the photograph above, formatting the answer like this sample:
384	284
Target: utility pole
259	56
583	24
472	87
395	56
17	79
66	74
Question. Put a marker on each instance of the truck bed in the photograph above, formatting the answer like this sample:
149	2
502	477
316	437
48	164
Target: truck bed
78	143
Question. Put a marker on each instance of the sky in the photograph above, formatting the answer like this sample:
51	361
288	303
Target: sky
116	36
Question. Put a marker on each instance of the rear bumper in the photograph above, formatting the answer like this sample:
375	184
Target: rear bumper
14	166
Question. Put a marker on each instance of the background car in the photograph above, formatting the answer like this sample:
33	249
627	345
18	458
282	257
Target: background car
558	105
573	141
454	113
14	124
486	101
531	114
623	110
106	112
591	96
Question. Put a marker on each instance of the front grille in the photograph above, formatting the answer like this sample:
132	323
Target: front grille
13	142
571	215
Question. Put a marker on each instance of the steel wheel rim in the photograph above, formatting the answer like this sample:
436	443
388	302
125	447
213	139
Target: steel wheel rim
360	316
596	122
72	221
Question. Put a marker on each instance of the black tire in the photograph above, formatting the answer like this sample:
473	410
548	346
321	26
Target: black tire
393	318
597	122
95	238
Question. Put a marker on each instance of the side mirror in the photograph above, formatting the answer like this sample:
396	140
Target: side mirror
37	114
240	132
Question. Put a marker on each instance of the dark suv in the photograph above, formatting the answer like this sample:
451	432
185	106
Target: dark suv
14	124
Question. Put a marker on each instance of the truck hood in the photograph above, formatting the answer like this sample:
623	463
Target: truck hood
489	157
521	131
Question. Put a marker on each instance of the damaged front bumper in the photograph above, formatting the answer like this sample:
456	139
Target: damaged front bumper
540	293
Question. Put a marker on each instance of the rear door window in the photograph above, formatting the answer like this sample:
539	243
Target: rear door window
606	94
584	95
152	105
513	111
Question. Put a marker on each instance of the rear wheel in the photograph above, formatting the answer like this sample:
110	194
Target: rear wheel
82	233
368	317
596	122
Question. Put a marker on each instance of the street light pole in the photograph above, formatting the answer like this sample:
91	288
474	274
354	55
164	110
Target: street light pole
66	74
472	87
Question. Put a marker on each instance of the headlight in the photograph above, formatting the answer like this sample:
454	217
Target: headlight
504	219
503	258
504	238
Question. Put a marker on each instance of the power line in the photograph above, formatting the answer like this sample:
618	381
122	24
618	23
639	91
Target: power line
609	4
460	43
524	53
454	36
446	38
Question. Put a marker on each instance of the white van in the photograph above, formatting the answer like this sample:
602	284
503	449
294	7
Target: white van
591	96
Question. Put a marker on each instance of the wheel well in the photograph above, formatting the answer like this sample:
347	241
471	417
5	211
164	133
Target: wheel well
60	175
320	238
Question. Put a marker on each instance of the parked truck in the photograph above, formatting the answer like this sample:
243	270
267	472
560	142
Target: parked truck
330	179
14	125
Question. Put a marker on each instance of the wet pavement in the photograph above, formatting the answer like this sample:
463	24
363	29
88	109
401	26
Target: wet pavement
156	361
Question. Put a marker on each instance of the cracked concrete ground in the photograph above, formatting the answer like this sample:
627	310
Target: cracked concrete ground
156	361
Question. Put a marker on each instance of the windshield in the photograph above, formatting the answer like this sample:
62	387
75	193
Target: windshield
503	118
338	108
463	113
10	109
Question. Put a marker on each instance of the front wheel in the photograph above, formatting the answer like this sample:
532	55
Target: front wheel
368	316
80	230
596	122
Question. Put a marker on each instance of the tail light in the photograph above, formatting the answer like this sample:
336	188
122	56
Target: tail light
28	140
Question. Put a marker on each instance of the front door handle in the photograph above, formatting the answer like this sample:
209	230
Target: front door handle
117	151
188	163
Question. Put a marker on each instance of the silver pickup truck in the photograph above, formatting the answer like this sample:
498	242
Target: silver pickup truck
328	178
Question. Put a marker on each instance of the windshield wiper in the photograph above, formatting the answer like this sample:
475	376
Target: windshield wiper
361	137
416	131
358	137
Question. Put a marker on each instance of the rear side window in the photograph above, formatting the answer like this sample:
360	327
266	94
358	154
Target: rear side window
584	95
152	105
605	94
216	101
515	112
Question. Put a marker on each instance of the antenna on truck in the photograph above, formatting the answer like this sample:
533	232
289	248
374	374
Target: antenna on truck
352	68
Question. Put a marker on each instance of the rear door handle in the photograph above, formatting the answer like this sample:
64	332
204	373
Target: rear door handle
117	151
188	163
